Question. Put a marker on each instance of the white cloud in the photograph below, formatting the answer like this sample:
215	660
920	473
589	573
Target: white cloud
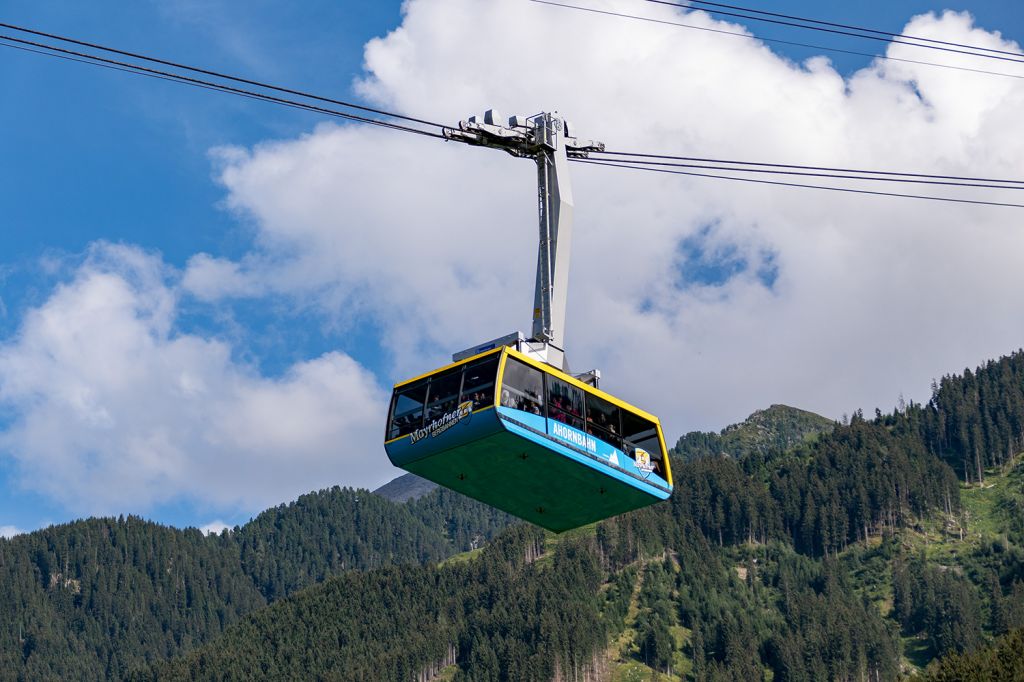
214	528
9	531
209	279
434	243
346	221
114	410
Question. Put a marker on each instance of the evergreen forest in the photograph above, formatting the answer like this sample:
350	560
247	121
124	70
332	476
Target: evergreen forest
793	548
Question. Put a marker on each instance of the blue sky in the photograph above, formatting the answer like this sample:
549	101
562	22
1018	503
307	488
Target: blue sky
91	155
102	155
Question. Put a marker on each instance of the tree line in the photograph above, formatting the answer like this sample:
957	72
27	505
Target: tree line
93	599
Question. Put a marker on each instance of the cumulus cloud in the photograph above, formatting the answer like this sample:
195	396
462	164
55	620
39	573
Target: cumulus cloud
700	299
113	409
9	531
213	279
346	220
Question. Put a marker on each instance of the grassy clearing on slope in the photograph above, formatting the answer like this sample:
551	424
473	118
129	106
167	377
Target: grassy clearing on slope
993	508
635	671
981	506
681	664
990	512
623	649
462	557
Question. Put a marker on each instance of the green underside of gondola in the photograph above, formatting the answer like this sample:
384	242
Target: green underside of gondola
530	481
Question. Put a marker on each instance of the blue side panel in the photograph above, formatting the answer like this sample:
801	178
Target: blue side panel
459	427
583	448
583	441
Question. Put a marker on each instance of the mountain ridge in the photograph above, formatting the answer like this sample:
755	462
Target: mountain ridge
406	487
760	562
776	428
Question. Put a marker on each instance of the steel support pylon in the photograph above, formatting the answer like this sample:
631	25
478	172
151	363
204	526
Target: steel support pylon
555	208
548	139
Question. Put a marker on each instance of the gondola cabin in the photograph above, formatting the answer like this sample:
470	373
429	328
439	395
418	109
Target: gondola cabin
524	437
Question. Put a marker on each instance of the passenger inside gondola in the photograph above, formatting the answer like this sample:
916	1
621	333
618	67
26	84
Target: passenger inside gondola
522	387
408	409
478	382
603	420
565	402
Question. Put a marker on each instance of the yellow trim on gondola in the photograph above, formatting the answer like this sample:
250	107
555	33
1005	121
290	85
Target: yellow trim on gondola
500	378
508	351
666	460
448	366
548	369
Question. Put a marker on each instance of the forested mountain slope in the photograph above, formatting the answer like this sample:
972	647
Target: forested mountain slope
395	623
974	421
856	554
90	599
633	596
318	535
504	616
853	552
1003	660
94	599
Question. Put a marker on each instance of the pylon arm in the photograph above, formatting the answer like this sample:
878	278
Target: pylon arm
518	136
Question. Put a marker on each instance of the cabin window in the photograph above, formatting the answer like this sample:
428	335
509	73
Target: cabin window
638	432
408	409
443	396
522	387
604	420
565	402
478	384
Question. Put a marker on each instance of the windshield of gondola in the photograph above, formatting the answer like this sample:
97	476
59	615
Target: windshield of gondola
522	387
422	401
443	393
407	409
478	382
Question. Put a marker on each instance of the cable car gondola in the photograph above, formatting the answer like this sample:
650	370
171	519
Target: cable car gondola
506	423
522	436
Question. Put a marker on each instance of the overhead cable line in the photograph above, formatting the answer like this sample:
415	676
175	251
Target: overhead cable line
208	72
894	37
627	160
775	41
848	26
757	181
94	60
832	169
841	176
114	68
